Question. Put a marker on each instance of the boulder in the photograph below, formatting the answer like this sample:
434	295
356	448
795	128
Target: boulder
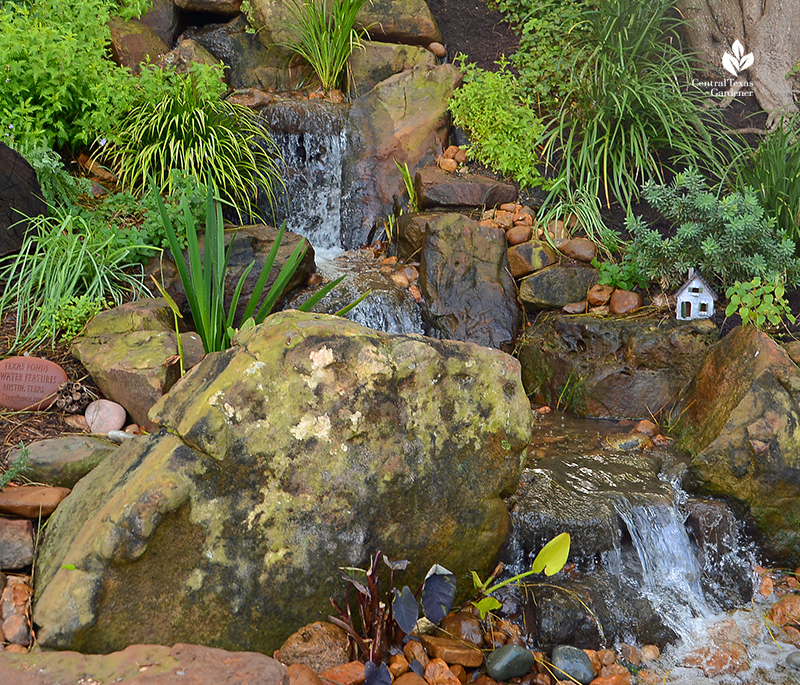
126	351
185	54
224	7
63	461
163	19
612	369
132	43
467	290
146	665
436	188
555	286
309	445
378	61
20	197
399	21
740	422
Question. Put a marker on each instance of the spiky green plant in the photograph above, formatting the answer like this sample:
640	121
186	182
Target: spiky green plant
192	130
324	39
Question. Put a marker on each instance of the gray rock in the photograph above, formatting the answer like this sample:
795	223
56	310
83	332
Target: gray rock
574	662
309	445
16	544
509	661
378	61
63	461
555	286
793	660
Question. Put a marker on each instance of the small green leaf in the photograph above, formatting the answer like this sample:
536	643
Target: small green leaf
485	605
68	567
553	555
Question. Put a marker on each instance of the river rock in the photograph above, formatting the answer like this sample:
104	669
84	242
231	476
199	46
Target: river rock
132	43
351	673
509	661
31	501
579	249
624	302
468	293
319	646
309	445
436	188
740	424
463	626
555	286
598	294
516	235
528	257
452	651
16	544
104	416
574	662
619	368
140	664
299	674
378	61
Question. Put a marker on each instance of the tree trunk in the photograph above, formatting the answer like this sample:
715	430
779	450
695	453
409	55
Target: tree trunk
769	29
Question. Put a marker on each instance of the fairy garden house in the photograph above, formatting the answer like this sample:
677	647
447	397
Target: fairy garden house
695	298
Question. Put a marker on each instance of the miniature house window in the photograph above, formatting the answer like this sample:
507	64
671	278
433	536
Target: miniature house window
695	289
704	308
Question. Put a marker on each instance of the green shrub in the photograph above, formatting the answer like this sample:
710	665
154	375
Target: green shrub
626	275
322	34
59	187
773	172
56	84
727	238
762	304
502	125
191	129
63	257
624	108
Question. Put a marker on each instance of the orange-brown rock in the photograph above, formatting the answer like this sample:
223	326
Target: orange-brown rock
345	674
519	233
606	656
504	220
785	610
300	674
523	217
438	49
438	673
579	249
649	653
646	427
414	650
511	207
715	660
630	653
398	665
574	308
613	669
765	587
31	501
463	625
541	679
616	679
595	659
528	257
649	677
452	651
410	678
624	302
459	672
449	165
320	645
599	295
450	152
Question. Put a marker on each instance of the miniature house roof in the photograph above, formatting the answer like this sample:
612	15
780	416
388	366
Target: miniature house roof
695	277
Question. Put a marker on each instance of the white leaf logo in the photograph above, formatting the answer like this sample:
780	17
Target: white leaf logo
738	61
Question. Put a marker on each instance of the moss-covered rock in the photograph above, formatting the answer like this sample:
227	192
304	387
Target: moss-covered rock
311	444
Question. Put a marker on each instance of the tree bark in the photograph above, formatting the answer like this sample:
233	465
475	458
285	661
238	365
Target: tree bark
769	29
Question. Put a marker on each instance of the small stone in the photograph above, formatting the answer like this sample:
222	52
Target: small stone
606	656
484	680
29	382
488	223
16	544
493	639
522	217
16	649
452	651
399	280
793	660
599	295
300	674
624	302
314	280
345	674
438	49
573	662
649	653
556	230
579	249
450	152
320	645
646	427
649	677
449	165
336	96
528	257
511	207
785	610
715	660
16	630
104	416
461	156
600	311
504	220
618	679
630	653
765	587
596	665
438	673
613	669
463	626
31	501
398	665
574	308
520	233
459	672
509	661
78	421
544	410
415	292
414	650
410	273
410	678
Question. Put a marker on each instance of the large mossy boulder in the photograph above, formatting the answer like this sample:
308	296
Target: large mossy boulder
741	424
616	368
311	444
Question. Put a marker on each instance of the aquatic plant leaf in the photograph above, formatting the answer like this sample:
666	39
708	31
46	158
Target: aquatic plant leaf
438	593
485	605
400	565
417	668
376	675
357	577
552	556
405	609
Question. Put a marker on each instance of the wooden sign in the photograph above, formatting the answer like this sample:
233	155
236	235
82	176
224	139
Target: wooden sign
29	382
